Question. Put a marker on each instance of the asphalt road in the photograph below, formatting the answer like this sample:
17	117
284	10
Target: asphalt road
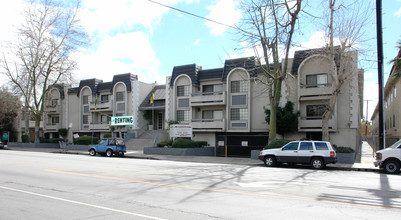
62	186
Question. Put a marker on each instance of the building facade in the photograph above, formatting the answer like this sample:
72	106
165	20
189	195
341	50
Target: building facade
392	115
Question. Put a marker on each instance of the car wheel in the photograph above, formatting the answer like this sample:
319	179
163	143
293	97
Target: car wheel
317	163
109	153
92	152
391	167
270	161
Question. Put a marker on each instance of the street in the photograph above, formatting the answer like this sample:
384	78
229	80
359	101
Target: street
36	185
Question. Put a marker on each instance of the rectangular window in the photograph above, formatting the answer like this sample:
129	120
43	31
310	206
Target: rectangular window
239	114
55	120
105	119
212	114
104	98
183	103
182	115
85	99
54	102
86	109
315	111
120	96
321	146
182	90
306	146
120	107
316	80
239	86
238	100
212	89
85	119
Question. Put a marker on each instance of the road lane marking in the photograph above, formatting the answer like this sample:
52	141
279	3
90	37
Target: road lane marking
221	190
80	203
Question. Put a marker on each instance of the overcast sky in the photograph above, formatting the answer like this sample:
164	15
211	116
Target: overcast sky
147	39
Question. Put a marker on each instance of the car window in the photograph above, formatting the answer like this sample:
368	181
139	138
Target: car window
120	143
306	146
321	146
291	146
112	142
103	141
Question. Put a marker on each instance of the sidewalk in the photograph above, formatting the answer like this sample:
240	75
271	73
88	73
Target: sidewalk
366	163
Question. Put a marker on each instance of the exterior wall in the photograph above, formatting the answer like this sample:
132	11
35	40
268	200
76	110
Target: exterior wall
259	101
209	137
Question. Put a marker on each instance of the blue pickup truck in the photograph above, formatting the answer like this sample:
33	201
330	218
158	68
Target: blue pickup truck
108	147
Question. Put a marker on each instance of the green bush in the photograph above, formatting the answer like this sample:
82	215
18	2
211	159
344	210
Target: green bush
184	143
107	136
86	140
165	143
43	140
342	149
25	138
277	143
201	143
55	140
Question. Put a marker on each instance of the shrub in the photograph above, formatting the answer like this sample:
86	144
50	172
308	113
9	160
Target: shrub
277	143
107	136
86	140
342	149
25	138
165	143
63	132
201	143
43	140
55	140
184	143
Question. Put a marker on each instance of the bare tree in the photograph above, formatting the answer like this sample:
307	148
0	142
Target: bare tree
49	35
268	27
346	31
10	106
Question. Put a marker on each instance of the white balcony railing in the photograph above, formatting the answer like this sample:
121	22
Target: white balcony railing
208	98
208	124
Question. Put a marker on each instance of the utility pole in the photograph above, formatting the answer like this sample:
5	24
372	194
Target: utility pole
380	72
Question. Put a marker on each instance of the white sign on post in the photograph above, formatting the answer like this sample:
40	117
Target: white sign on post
181	131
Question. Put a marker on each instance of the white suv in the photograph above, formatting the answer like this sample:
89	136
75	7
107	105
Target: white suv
315	153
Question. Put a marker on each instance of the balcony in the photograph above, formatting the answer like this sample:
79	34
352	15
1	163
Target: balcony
54	109
104	126
315	92
52	126
101	106
208	98
315	124
208	125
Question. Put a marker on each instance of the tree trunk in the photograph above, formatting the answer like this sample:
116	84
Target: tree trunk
26	120
273	123
37	128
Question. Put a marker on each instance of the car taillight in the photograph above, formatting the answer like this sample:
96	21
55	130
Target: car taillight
331	153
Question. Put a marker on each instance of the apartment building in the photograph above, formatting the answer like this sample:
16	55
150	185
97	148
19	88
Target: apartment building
89	108
392	115
225	106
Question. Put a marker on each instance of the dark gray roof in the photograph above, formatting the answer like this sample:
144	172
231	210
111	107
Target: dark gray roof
247	63
191	70
301	55
210	74
98	85
60	88
159	101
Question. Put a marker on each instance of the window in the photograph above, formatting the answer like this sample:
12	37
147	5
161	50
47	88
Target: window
321	146
85	119
393	121
85	99
183	103
291	146
55	120
104	98
182	115
119	96
212	114
316	80
239	114
314	112
105	119
212	89
306	146
239	86
86	109
239	100
54	102
182	90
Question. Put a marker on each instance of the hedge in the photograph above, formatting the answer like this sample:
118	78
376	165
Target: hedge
184	143
277	143
165	143
86	140
342	149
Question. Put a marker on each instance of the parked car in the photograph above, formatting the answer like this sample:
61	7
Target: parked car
389	159
1	145
108	147
315	153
